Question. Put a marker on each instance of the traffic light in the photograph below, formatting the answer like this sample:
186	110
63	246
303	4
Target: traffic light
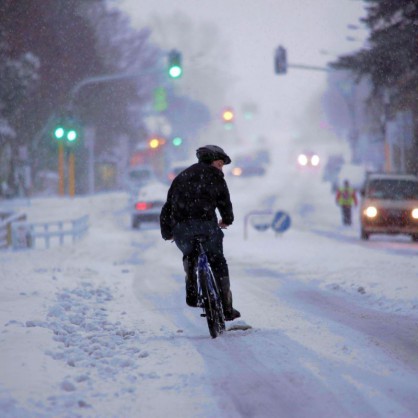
156	142
280	60
66	130
228	118
249	110
59	132
228	115
72	135
177	141
174	64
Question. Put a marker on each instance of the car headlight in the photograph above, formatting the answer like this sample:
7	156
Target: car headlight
370	212
302	159
236	171
414	213
314	160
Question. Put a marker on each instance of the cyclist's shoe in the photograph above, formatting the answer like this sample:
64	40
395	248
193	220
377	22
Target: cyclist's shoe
231	315
191	295
191	300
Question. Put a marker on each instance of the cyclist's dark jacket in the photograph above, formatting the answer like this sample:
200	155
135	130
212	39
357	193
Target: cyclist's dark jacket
194	195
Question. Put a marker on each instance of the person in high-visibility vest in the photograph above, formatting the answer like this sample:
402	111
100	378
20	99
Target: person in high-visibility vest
346	198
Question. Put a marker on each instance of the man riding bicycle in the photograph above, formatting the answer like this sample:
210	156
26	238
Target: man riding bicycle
190	210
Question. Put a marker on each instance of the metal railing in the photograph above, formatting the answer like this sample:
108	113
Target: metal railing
6	221
26	235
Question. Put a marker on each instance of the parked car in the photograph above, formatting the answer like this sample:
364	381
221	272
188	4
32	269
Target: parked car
389	205
146	206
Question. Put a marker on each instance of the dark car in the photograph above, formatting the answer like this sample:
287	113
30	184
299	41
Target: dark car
246	166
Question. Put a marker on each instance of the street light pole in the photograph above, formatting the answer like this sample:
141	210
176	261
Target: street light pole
387	147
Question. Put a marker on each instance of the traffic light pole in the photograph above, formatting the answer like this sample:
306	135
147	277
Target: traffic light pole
73	94
309	67
174	57
71	174
102	79
61	190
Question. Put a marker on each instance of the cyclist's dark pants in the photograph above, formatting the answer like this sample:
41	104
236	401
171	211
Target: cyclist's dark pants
184	238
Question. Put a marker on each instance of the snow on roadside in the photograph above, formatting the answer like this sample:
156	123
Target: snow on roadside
75	339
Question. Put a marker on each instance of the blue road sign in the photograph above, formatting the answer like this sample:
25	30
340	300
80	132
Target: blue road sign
281	221
260	221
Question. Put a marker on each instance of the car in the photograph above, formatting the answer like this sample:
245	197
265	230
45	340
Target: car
247	166
172	174
146	207
138	176
177	167
389	205
308	159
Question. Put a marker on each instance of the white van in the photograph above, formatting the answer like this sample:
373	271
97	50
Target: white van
389	205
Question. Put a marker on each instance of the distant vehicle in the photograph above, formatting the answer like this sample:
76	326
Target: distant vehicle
389	205
262	156
177	167
146	206
139	176
247	165
308	159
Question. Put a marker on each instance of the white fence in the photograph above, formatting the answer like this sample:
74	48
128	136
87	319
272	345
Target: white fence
6	220
27	235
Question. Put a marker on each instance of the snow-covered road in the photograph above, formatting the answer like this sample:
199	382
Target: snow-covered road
101	329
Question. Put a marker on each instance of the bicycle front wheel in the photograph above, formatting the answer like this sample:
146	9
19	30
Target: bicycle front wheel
212	305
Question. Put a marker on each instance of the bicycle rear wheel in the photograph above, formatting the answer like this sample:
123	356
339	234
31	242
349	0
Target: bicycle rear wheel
212	305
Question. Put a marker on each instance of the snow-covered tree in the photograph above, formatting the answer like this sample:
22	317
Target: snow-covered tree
18	77
390	59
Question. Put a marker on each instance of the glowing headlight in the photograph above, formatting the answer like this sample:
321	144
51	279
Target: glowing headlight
370	212
302	159
414	213
236	171
314	160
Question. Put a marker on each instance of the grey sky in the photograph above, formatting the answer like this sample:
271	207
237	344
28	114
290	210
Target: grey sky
254	28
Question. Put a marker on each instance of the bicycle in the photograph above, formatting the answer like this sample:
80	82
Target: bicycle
208	294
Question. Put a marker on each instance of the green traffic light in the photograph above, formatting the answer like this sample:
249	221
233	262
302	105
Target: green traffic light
59	132
71	135
177	141
174	64
175	71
